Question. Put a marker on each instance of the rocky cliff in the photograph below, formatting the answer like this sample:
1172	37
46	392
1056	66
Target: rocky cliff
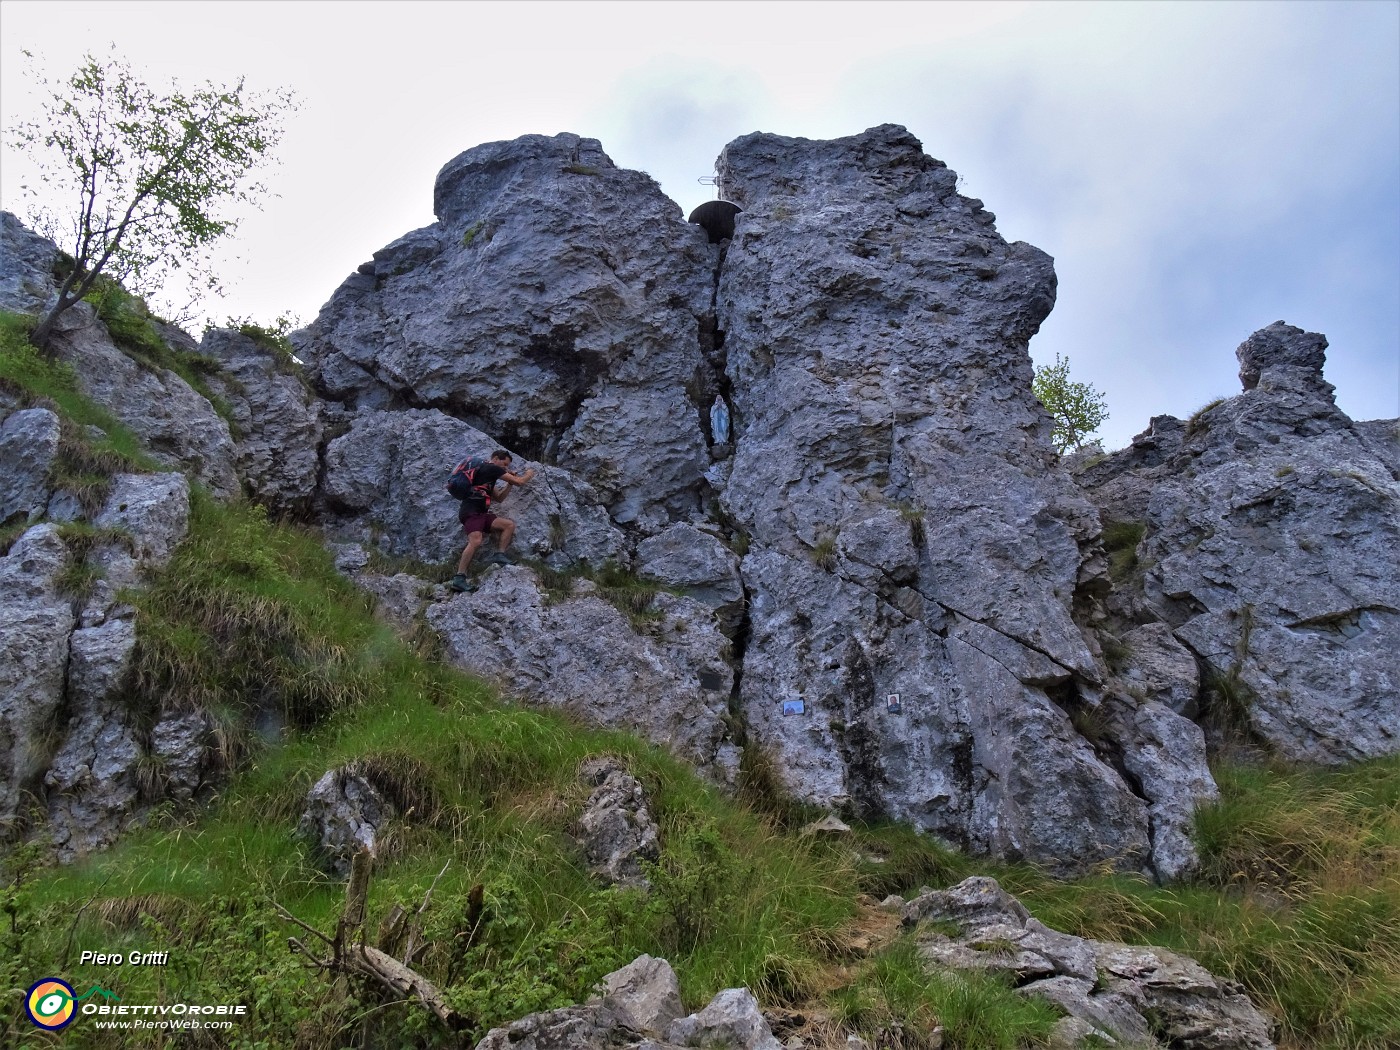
815	445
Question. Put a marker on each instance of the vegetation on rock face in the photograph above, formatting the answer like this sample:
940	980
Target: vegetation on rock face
147	173
1298	897
1077	409
1120	541
93	445
132	327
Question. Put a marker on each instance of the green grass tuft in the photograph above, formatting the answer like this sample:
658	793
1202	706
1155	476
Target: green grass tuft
1199	421
901	1002
1120	541
133	329
38	380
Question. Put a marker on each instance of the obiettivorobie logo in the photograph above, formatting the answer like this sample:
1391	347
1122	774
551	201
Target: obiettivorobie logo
52	1004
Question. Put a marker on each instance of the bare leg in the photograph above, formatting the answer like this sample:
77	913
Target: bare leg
505	528
468	552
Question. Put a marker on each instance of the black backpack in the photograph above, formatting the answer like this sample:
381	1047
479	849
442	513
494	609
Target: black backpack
464	486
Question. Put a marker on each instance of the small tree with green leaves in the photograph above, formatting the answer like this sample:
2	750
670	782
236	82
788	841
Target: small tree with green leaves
145	175
1077	409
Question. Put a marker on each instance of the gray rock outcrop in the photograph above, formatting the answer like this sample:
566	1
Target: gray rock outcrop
639	1009
176	425
36	622
70	740
1157	667
670	684
28	446
92	782
112	763
559	304
276	420
26	267
862	339
685	558
344	813
1271	522
1138	996
385	482
615	829
1165	755
908	536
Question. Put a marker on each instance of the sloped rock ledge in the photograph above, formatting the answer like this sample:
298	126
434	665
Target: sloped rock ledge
1130	995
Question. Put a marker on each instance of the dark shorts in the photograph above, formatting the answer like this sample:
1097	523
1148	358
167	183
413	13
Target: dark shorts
478	522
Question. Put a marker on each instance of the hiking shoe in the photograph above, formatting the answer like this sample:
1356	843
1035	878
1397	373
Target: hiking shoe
461	585
500	558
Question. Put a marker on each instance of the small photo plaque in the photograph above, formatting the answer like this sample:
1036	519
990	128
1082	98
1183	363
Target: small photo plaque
795	707
893	705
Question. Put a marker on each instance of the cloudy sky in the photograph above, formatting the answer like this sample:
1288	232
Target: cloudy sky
1198	170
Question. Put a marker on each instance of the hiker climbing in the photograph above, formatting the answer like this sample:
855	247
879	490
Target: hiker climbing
474	482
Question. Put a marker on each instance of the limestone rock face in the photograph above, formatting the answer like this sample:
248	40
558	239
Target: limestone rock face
177	426
35	625
1161	667
1165	754
1138	996
1382	437
1272	523
908	537
343	815
686	558
276	420
639	1009
558	305
28	445
107	769
844	387
615	828
670	684
91	785
26	267
68	737
153	509
386	479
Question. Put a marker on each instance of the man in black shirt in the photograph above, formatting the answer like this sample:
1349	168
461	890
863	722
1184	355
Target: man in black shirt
477	519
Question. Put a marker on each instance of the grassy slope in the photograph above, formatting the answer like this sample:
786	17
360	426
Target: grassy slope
1299	899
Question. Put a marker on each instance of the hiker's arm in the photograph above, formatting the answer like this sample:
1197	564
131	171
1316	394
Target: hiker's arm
512	480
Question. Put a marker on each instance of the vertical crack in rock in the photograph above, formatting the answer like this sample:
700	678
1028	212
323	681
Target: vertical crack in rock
738	647
710	343
858	740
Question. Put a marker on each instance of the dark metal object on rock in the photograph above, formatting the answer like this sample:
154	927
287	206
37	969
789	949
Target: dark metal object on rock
717	217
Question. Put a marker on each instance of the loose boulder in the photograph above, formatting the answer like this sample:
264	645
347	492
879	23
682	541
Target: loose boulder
615	829
639	1009
344	814
1139	996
